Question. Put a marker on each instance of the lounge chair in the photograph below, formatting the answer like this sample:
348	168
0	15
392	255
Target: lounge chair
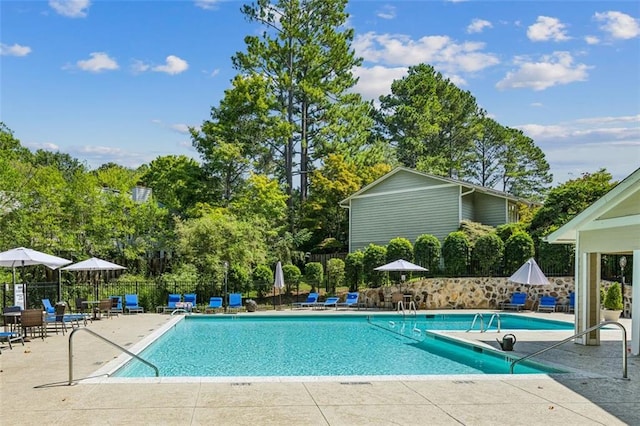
48	308
116	305
131	303
517	301
235	301
571	307
56	318
547	304
192	299
312	299
215	303
11	336
171	303
330	302
351	301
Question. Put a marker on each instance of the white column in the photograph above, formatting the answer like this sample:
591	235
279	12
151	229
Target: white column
635	306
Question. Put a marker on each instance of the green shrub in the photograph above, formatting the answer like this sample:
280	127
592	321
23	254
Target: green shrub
335	273
558	258
353	269
314	274
292	276
426	252
507	230
474	230
613	298
455	252
399	248
262	279
517	250
374	256
488	253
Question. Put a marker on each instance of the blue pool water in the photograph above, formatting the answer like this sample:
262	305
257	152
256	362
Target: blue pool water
230	346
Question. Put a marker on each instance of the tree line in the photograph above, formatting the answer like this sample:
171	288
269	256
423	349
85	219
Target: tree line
289	139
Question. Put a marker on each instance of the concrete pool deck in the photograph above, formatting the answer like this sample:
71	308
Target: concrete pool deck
33	387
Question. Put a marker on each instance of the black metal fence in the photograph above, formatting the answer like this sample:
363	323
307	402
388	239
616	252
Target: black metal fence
152	294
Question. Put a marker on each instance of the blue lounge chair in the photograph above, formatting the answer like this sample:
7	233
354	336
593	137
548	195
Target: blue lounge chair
517	301
48	308
235	301
215	303
171	303
11	336
191	298
312	299
131	303
330	302
351	301
572	302
547	304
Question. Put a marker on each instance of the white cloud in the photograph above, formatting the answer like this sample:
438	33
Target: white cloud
587	145
376	81
214	72
180	128
440	51
618	25
537	104
139	66
70	8
99	61
478	25
386	12
207	4
46	146
550	71
14	50
174	65
591	39
547	28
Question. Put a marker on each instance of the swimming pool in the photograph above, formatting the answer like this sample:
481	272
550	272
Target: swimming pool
337	345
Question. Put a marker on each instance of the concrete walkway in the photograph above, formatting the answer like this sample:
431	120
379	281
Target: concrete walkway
33	385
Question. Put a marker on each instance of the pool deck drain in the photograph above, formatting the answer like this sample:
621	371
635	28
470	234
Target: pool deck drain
33	388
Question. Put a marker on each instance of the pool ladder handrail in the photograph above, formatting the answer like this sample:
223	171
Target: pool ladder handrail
144	361
482	329
582	333
411	307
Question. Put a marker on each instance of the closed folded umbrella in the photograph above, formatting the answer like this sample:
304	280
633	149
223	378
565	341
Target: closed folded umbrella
278	282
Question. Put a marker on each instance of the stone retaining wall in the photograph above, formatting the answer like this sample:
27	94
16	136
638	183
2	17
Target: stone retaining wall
468	293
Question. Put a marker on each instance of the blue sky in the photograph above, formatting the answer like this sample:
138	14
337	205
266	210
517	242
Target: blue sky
121	81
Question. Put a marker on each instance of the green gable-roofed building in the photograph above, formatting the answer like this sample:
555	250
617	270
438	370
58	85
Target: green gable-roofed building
406	203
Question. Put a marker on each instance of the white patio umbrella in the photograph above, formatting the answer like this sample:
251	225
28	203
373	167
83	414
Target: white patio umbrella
93	264
401	265
529	274
278	283
22	257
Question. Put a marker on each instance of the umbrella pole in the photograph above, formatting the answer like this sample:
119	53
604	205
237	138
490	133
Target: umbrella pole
274	298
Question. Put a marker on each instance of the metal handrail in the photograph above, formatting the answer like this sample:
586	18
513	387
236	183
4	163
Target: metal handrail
144	361
495	315
478	315
589	330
